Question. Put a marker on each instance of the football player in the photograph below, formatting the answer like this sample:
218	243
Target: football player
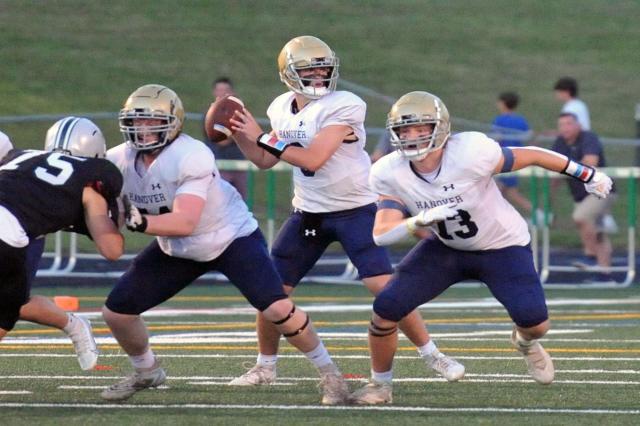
444	182
321	132
5	145
173	190
70	187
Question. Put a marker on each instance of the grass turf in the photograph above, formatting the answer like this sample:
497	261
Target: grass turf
68	57
596	351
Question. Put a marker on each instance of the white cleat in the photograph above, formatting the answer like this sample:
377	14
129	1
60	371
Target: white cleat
256	376
373	393
538	361
84	344
136	382
334	388
446	366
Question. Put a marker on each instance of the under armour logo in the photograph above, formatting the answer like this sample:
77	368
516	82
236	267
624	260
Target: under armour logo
447	187
308	232
155	186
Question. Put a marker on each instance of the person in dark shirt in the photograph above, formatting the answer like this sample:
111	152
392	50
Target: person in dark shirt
63	188
585	147
227	149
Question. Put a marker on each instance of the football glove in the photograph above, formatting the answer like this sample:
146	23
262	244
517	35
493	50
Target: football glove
134	220
600	185
431	216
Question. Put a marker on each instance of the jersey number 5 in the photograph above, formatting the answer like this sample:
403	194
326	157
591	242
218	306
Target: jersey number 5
60	168
465	220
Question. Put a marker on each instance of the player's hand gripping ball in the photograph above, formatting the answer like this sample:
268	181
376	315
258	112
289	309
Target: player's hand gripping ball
217	124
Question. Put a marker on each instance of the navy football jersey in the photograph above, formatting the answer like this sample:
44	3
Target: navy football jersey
43	190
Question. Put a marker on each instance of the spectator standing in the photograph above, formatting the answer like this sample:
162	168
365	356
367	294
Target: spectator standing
566	90
227	149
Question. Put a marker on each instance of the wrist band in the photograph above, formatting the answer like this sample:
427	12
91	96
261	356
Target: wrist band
271	144
579	171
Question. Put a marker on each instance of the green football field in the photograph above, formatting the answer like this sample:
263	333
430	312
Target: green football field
205	336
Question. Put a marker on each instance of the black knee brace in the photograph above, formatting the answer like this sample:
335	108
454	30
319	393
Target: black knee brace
287	318
376	331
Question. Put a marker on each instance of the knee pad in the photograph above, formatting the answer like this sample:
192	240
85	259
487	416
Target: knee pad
287	318
389	308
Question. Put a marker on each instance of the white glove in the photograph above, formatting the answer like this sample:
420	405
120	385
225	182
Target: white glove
430	216
600	185
134	220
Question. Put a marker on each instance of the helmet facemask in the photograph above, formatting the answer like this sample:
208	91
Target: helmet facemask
135	135
419	109
151	102
304	86
418	148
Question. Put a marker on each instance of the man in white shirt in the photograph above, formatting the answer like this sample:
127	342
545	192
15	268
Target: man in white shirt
566	90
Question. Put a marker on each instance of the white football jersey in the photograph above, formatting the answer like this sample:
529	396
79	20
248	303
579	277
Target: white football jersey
186	166
5	145
342	182
485	221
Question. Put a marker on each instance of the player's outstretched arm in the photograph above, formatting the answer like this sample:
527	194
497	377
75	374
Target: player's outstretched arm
246	132
109	241
596	182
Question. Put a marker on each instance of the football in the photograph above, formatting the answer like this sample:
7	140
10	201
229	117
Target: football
217	124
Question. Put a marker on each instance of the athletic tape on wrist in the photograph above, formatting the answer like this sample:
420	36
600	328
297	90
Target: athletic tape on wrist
579	171
271	144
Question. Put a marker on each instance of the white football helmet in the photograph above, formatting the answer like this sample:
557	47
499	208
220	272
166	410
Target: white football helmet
419	108
76	136
151	101
307	52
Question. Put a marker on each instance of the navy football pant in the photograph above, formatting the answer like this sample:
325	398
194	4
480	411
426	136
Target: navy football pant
432	267
18	267
155	277
294	254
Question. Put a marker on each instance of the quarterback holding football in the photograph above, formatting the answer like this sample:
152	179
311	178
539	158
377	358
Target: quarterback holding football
320	131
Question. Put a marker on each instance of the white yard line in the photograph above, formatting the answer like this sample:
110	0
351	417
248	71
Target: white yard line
477	378
250	337
337	356
15	392
226	383
482	410
98	387
359	307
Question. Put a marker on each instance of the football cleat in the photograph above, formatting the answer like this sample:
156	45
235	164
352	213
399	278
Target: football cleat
446	366
334	388
136	382
538	361
373	393
257	375
84	344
